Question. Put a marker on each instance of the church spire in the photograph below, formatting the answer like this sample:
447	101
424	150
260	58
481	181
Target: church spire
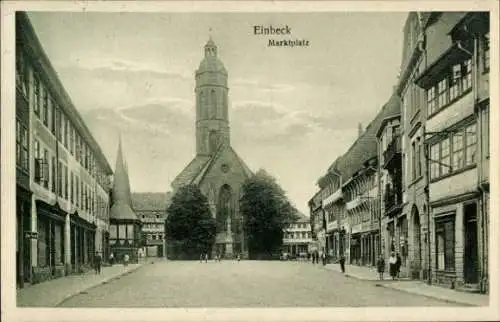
121	195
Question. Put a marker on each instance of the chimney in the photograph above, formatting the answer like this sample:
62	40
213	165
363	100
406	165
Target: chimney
360	129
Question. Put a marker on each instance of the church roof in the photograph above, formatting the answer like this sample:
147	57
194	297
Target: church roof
120	193
190	171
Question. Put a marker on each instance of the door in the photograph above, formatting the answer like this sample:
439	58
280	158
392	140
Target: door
470	251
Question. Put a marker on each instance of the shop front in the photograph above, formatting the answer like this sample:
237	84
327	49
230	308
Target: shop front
82	243
50	243
23	236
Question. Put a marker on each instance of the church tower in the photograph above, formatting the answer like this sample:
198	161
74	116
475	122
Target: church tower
212	122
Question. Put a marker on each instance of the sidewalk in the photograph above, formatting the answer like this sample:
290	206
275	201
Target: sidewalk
52	293
412	286
358	272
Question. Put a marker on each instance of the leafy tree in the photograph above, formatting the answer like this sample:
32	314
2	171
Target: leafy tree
189	226
266	211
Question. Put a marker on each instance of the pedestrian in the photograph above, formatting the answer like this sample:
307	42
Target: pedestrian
125	259
201	257
392	265
238	257
97	263
381	267
206	257
323	258
111	259
342	263
398	265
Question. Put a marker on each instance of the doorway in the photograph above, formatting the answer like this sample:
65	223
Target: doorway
470	245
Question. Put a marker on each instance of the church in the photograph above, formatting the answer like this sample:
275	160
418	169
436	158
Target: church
216	168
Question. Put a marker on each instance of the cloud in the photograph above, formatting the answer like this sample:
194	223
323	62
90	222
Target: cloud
255	84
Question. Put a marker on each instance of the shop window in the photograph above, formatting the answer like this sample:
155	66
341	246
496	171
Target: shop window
113	232
122	231
58	241
43	242
445	245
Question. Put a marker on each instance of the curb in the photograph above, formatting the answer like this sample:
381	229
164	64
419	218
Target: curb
91	286
427	295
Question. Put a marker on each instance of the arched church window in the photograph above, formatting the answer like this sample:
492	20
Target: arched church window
225	209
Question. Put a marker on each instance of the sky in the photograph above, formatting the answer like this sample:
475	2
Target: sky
292	110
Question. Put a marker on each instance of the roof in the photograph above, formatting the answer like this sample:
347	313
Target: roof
150	200
365	146
121	198
190	171
121	210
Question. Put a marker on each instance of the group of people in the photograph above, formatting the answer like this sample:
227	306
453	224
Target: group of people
218	257
315	256
98	261
394	266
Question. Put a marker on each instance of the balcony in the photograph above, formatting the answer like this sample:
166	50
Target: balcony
392	154
393	202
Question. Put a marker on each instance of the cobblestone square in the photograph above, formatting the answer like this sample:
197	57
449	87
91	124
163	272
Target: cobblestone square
242	284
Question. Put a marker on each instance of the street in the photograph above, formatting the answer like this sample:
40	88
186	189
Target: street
241	284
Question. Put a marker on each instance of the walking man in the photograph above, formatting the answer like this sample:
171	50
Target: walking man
342	263
393	266
381	267
97	263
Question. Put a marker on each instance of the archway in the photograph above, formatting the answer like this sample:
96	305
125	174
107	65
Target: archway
417	244
224	208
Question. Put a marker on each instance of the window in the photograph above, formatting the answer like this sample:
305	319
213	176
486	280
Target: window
445	157
45	166
413	161
22	146
53	109
37	158
72	188
470	147
66	125
57	119
62	121
418	158
54	176
21	72
455	84
455	81
45	107
36	95
77	191
442	93
113	232
59	179
130	232
431	100
66	183
445	245
434	157
71	140
458	151
486	52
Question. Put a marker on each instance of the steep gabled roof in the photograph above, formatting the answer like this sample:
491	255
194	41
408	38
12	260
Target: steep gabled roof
191	171
120	193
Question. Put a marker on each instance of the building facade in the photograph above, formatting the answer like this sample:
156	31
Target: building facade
456	82
63	218
297	238
125	226
151	208
216	169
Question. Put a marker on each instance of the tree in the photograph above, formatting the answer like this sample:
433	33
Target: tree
266	211
189	226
